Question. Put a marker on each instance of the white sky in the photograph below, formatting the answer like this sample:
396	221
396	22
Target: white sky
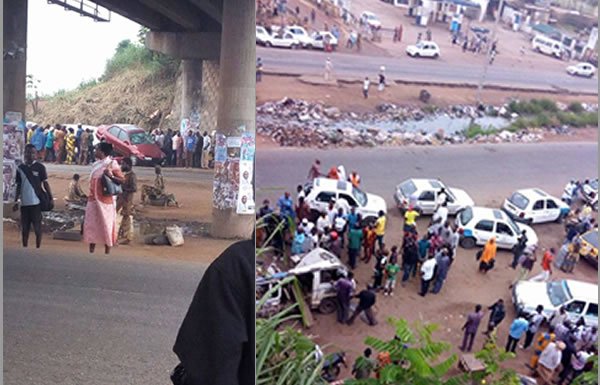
64	48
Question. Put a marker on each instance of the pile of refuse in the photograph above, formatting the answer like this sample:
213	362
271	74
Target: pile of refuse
298	123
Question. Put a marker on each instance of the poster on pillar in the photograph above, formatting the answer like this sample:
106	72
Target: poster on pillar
13	143
246	204
9	173
227	172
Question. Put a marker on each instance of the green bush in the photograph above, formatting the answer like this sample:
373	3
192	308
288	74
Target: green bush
130	55
475	129
576	107
533	107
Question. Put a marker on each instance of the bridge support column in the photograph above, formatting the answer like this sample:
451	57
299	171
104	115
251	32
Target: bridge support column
15	55
237	97
191	95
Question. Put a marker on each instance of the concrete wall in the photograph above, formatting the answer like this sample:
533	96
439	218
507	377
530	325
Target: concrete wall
210	95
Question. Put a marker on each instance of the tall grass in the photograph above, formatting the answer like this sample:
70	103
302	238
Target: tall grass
132	55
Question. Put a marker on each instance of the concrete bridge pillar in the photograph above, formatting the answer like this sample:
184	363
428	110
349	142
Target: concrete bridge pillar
15	55
237	97
191	89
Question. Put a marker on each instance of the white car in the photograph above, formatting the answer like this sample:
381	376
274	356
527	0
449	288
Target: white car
323	190
533	205
283	40
582	69
301	35
319	39
262	35
370	19
590	193
425	192
423	49
579	298
476	225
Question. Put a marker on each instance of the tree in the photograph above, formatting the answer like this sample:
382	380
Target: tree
591	377
32	92
493	356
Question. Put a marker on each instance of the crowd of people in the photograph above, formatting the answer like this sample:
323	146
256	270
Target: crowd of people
189	150
342	231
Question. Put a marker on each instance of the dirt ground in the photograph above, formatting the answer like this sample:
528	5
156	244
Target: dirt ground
464	288
195	198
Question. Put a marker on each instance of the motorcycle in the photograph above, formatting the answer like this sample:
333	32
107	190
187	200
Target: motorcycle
331	366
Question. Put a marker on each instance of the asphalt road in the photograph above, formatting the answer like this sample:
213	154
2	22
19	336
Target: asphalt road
171	173
487	172
73	319
304	62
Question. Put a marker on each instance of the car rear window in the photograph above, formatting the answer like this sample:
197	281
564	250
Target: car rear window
465	216
408	188
558	292
519	200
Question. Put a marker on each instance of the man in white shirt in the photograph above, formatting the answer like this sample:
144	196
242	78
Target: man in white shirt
307	226
206	144
441	214
442	197
427	269
331	211
365	89
323	222
534	324
549	361
339	224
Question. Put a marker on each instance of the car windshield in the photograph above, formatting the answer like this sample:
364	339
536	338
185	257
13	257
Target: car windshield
558	292
519	200
465	216
408	188
140	137
360	196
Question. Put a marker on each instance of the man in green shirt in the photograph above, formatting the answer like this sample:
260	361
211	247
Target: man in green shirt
391	270
354	242
363	365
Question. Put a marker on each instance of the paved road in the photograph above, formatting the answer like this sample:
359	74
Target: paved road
72	319
487	172
172	174
347	65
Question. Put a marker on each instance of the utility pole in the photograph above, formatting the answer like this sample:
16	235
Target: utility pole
488	53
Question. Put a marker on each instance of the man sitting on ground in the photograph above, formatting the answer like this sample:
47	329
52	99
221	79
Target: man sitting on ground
75	194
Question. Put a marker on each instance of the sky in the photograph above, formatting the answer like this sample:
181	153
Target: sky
64	48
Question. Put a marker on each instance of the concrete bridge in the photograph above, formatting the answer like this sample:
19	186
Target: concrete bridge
215	40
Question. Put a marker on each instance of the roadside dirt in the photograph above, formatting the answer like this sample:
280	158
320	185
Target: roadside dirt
195	198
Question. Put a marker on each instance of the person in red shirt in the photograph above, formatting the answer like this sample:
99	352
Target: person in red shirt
546	266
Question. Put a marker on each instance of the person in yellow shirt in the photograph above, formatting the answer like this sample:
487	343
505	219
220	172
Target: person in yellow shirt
380	228
410	219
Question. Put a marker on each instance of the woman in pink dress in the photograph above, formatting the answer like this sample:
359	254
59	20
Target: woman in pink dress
100	224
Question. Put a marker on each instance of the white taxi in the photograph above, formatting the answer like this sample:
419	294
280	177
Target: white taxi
533	205
423	193
476	225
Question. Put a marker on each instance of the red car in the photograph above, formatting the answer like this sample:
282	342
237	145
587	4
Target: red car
133	142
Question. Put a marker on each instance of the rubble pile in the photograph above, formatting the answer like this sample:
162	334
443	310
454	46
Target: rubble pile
298	123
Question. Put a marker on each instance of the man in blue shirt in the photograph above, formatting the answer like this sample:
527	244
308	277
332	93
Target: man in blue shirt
517	329
190	141
286	205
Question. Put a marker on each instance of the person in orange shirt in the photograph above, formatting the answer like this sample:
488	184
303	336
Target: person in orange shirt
383	359
354	178
369	238
546	266
489	254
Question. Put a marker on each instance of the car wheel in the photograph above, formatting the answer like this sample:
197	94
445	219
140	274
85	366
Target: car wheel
468	243
327	306
267	44
293	46
436	55
417	54
308	46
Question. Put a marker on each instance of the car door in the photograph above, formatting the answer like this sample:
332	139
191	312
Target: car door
322	200
575	309
426	201
504	235
483	230
318	41
112	137
538	211
124	142
591	314
552	211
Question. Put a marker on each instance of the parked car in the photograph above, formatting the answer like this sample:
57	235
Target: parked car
547	46
283	40
589	247
423	49
476	225
301	35
370	19
133	142
426	193
323	190
582	69
578	298
590	193
533	205
262	35
320	38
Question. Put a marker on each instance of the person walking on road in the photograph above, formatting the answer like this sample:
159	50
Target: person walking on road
488	256
380	228
365	87
206	146
328	69
381	85
343	288
518	249
125	202
549	362
354	242
427	270
546	273
470	328
443	266
391	271
100	225
32	182
526	262
410	258
518	327
497	314
541	343
259	70
366	300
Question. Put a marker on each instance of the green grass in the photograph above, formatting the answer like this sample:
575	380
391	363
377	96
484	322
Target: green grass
475	129
544	113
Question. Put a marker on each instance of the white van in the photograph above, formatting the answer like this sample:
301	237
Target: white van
547	46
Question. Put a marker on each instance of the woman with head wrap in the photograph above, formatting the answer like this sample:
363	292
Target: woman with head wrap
488	255
100	225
